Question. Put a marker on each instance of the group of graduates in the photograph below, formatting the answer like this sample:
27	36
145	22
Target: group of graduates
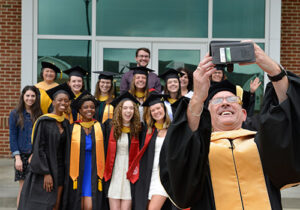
146	148
96	151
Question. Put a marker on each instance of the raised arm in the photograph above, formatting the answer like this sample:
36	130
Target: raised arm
201	86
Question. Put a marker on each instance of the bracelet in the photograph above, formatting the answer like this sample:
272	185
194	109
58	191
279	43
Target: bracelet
194	114
278	76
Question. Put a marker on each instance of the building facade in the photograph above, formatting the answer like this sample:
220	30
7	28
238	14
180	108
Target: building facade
104	34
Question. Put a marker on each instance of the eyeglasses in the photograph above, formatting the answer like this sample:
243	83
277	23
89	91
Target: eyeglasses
229	99
143	56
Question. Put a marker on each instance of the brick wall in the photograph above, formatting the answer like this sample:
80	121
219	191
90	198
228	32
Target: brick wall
290	35
10	66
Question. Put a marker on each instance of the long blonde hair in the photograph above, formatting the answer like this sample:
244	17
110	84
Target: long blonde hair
117	121
150	121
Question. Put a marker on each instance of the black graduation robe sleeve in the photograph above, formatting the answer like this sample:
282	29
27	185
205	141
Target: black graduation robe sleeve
279	136
184	158
39	162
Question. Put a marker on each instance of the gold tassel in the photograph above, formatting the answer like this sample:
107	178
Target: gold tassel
75	184
100	185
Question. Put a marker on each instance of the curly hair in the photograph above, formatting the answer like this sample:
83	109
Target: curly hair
150	121
190	77
133	88
111	94
117	121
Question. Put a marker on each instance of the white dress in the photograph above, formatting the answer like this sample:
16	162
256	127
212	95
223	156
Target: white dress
119	187
156	187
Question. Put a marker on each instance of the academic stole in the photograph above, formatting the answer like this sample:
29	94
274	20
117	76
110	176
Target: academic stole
108	112
45	101
236	171
53	116
133	171
111	155
75	152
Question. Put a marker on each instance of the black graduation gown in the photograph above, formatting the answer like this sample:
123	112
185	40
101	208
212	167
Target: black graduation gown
142	186
106	132
99	111
184	167
71	197
44	161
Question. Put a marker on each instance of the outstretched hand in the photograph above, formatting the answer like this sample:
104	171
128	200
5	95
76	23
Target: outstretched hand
254	84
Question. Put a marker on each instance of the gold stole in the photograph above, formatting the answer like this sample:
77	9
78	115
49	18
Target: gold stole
108	112
243	164
45	101
172	100
43	85
54	116
239	92
75	154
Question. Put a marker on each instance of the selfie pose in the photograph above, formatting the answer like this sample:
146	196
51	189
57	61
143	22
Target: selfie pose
219	164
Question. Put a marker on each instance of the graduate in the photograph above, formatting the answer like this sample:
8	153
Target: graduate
43	186
186	82
86	160
48	74
209	162
139	86
172	88
148	191
76	83
122	134
104	93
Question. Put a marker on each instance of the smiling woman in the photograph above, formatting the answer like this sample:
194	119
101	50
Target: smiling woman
44	185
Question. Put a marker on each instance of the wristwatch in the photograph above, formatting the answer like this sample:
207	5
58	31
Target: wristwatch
278	76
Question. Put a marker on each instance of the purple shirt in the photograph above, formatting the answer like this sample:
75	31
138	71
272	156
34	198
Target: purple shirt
153	81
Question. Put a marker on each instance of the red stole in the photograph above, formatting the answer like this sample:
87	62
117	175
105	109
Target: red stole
111	154
134	168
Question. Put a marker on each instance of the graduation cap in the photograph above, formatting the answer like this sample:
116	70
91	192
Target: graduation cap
105	74
155	98
50	66
62	88
170	73
122	97
225	85
84	96
141	70
76	71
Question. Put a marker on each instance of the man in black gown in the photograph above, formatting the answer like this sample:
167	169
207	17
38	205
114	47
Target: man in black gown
209	162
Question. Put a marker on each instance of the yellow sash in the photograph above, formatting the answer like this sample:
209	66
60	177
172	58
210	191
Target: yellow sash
54	116
43	85
239	92
78	94
140	94
103	98
159	126
75	154
172	100
125	129
236	171
45	101
108	112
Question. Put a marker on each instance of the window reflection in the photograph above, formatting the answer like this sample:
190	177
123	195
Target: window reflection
64	17
67	53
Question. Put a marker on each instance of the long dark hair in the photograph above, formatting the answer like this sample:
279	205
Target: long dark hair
190	77
35	108
166	91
